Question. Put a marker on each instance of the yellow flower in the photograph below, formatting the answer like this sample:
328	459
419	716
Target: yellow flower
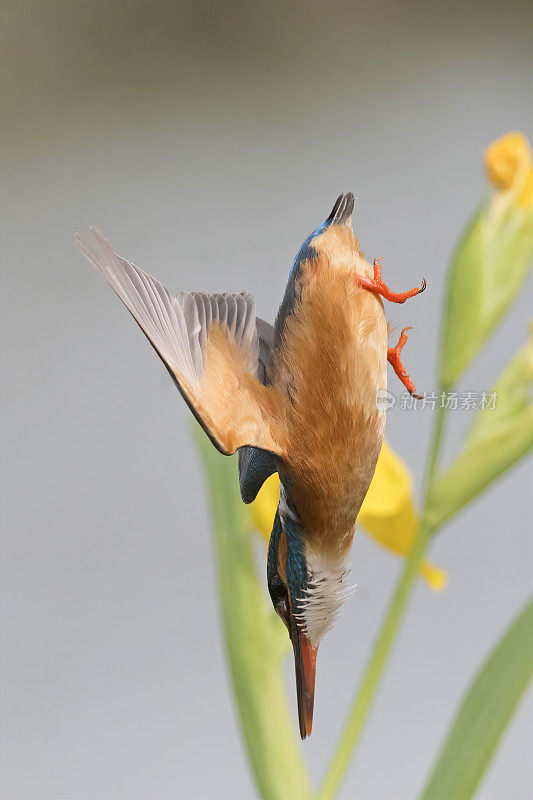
387	513
264	506
509	167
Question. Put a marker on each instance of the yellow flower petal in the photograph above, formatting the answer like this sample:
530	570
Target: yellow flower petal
509	166
387	514
264	506
435	577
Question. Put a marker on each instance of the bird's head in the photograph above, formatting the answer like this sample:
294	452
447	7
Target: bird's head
307	589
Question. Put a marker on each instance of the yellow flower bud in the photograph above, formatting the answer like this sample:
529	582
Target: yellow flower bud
492	258
508	163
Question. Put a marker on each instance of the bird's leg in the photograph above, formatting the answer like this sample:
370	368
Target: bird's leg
377	286
393	357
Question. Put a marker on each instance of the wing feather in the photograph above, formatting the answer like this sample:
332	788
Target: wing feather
210	346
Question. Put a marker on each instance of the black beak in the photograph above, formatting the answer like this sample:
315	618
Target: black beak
305	667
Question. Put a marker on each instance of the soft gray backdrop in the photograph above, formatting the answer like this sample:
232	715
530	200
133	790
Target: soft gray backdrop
207	140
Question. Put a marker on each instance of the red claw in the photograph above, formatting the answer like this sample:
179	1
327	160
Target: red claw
377	286
393	357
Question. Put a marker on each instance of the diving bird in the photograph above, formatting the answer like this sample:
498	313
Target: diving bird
297	398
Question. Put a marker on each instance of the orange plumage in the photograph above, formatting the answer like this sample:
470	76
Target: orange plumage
335	350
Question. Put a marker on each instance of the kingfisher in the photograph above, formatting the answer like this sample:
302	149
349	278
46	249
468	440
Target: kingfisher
297	398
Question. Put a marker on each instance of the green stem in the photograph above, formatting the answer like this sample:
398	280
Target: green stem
434	452
255	640
372	677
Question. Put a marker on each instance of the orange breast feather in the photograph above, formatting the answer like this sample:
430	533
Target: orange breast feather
335	354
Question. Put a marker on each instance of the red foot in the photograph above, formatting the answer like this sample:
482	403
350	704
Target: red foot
393	357
377	286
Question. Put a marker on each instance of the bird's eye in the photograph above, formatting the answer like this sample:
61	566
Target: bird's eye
277	589
280	597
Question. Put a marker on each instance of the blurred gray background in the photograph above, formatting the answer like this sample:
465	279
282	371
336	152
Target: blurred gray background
208	139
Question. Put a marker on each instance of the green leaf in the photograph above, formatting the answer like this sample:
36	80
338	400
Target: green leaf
513	389
487	270
484	714
499	437
255	639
